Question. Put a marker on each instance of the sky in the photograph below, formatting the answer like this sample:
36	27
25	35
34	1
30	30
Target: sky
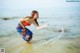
26	4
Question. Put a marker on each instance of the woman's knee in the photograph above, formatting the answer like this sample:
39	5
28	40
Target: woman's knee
27	38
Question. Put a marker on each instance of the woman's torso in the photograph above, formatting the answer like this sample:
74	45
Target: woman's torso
27	21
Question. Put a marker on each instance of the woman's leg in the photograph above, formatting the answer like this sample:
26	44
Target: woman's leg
19	29
29	35
26	35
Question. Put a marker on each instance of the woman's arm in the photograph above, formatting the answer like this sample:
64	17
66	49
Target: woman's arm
23	19
20	21
38	26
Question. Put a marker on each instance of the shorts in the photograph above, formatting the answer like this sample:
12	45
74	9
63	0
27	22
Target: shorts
28	32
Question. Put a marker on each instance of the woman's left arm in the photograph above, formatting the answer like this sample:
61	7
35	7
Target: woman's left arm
38	26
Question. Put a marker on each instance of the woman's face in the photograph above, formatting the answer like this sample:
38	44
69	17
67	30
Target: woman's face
35	15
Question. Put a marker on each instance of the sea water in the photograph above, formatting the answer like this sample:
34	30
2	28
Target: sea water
46	40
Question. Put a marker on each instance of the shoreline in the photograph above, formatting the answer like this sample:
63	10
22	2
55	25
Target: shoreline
16	44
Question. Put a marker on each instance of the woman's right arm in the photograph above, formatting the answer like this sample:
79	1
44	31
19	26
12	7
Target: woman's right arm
21	23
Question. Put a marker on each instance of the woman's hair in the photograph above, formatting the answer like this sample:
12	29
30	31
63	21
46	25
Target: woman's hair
33	13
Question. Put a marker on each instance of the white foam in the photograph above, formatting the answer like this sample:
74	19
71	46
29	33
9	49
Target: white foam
56	39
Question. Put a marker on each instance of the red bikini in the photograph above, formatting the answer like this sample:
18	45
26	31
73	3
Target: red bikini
25	23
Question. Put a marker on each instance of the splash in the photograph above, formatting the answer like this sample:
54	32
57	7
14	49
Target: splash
55	39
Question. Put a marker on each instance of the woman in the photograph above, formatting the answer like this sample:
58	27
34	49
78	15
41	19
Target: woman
26	34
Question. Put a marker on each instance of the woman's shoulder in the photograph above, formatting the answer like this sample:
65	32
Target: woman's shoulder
28	17
25	18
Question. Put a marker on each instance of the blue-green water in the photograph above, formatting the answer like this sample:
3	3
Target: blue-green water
69	42
68	18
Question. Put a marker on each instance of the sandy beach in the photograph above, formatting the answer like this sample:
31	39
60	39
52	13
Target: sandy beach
17	45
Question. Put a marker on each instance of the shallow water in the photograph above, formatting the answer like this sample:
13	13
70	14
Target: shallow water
44	41
17	45
47	40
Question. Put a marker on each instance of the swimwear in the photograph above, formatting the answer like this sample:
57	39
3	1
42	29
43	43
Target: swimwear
27	32
25	23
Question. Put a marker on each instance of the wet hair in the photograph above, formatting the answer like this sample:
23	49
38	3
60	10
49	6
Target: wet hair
33	13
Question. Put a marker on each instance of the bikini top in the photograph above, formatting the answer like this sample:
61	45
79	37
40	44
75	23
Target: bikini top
25	23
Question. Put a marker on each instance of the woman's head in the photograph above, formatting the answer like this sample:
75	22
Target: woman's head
35	14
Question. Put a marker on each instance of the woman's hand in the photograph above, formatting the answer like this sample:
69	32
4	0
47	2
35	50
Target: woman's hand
40	27
46	25
22	36
23	29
